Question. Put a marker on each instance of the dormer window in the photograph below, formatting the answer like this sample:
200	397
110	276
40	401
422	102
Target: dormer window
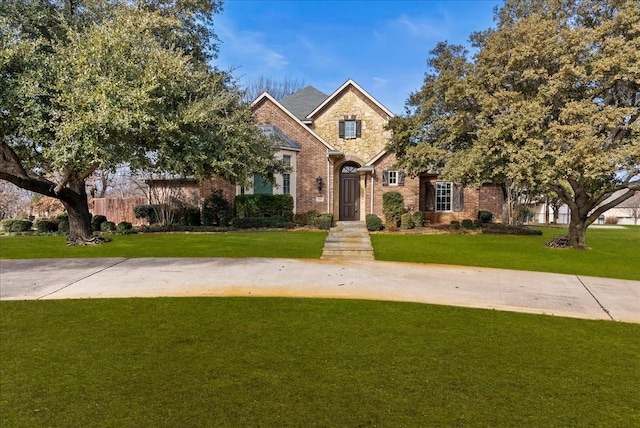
349	129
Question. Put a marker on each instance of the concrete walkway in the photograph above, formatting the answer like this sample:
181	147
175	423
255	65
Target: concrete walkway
520	291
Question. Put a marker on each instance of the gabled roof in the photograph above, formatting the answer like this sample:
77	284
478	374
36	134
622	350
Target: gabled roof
303	102
346	84
279	137
266	96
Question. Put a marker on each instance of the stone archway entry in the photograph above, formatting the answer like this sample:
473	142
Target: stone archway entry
349	193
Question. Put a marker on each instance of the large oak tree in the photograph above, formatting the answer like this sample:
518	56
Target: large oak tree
551	100
97	83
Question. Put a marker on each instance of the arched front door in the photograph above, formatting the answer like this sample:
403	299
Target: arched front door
349	193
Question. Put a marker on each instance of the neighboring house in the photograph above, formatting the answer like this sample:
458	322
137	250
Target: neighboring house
336	147
627	212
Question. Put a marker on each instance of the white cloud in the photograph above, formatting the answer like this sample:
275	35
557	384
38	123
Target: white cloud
248	49
422	28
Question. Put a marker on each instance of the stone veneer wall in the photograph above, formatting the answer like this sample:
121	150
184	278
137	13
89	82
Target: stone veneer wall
311	161
351	104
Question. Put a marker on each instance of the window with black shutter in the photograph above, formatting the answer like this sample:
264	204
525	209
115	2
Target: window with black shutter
349	129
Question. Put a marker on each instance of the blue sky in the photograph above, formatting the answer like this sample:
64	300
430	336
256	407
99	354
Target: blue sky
382	45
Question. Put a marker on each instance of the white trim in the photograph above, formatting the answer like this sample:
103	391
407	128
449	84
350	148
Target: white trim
376	158
340	89
281	107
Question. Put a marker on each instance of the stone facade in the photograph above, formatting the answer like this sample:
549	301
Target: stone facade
353	105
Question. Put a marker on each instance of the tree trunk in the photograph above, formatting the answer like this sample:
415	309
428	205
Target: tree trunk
578	232
76	203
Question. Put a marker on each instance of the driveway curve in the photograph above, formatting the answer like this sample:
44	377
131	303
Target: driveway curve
500	289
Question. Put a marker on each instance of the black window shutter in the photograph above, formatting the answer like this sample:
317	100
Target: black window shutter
358	128
430	196
401	178
341	129
457	197
385	178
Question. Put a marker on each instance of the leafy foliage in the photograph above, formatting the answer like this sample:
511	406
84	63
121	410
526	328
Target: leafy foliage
212	208
549	102
262	205
373	222
392	206
92	84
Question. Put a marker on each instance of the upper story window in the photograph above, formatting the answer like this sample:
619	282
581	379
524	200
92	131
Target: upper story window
349	129
286	159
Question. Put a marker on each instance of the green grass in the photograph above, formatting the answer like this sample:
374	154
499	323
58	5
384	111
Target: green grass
614	253
285	244
298	362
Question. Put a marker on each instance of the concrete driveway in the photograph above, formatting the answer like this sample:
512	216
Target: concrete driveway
520	291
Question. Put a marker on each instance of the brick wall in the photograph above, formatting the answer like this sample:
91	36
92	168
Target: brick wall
311	160
410	191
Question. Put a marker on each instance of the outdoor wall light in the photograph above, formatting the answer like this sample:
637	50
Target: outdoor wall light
319	183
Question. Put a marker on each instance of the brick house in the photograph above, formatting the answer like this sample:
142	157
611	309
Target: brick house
336	145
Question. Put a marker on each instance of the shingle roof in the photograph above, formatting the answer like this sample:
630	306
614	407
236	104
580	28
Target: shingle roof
279	137
303	102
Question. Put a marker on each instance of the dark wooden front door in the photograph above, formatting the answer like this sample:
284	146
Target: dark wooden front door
349	193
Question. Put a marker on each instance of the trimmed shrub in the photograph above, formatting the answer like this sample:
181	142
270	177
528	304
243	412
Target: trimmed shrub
124	227
324	221
300	219
45	226
63	226
406	221
485	216
108	226
21	226
96	222
7	223
467	224
504	229
478	224
455	225
392	206
189	216
373	222
146	212
212	208
222	218
418	218
262	205
311	217
275	221
288	215
611	220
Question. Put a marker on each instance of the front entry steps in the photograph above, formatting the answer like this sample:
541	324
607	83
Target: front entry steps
348	240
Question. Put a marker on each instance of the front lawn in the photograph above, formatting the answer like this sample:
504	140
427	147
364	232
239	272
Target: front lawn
285	244
614	253
302	362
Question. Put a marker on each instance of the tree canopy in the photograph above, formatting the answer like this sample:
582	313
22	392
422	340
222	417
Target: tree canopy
96	83
550	100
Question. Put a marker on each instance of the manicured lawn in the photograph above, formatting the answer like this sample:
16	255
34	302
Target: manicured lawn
301	362
614	253
285	244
